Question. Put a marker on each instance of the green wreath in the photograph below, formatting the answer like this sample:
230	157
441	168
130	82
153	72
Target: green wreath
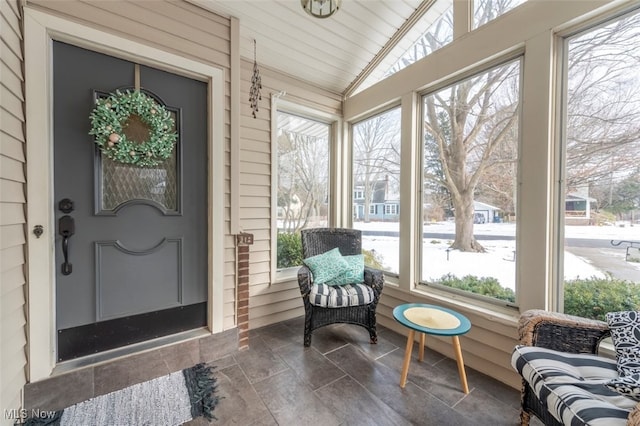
116	119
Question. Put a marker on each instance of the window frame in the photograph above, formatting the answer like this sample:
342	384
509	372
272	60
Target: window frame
475	25
335	123
390	277
537	228
426	287
559	193
391	209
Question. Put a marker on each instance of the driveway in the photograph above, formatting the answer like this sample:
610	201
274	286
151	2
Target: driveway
609	260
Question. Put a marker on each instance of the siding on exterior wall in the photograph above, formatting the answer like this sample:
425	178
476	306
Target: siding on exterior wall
12	214
180	28
268	302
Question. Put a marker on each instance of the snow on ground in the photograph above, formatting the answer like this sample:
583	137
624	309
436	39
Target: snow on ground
498	261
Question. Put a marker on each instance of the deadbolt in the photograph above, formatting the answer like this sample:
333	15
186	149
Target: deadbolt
65	205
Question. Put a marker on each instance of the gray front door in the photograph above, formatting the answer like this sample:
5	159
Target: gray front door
136	264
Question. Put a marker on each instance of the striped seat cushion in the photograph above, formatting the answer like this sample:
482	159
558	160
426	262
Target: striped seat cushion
572	386
328	296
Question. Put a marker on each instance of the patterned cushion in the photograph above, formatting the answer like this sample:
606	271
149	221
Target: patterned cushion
331	296
326	266
571	386
625	333
353	274
626	385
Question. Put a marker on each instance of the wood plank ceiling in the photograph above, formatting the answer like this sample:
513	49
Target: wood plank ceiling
330	53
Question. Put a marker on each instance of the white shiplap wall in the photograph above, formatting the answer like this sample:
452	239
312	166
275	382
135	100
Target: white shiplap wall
12	214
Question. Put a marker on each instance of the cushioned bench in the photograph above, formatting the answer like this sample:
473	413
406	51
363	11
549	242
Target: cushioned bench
571	386
564	381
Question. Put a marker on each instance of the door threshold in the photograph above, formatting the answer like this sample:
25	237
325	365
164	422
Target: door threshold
113	354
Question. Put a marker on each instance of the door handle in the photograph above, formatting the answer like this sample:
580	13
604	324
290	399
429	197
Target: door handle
66	228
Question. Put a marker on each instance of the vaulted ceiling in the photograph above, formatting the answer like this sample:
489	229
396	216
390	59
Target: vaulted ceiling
335	53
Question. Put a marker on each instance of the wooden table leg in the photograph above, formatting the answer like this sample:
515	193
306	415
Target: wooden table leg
421	350
407	358
458	351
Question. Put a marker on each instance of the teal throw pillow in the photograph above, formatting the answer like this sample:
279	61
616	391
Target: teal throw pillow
353	274
326	266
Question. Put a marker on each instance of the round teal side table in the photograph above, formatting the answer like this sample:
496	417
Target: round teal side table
434	320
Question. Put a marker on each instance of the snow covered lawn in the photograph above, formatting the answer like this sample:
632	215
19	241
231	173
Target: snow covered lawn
497	262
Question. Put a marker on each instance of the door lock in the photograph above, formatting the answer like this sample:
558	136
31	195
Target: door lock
65	206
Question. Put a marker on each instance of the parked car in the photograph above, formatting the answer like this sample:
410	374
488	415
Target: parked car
479	218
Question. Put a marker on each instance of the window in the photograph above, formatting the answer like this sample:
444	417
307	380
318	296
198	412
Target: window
470	162
391	209
601	218
303	182
358	195
376	169
488	10
438	34
432	31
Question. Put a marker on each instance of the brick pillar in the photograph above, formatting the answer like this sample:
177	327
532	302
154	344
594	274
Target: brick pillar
242	295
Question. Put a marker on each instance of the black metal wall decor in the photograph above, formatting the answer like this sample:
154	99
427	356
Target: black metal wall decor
256	85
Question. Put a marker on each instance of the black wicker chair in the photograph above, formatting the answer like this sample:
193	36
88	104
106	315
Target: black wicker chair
565	333
349	241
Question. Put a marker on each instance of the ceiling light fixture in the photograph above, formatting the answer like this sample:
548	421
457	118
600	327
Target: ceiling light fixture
321	8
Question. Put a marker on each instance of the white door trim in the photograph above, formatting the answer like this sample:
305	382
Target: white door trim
40	31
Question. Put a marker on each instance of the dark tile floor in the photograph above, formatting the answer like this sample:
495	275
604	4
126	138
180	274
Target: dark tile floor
343	380
340	380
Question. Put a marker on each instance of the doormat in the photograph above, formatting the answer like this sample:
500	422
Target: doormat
168	400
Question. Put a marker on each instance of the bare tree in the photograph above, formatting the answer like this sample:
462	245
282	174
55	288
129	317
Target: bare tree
498	184
468	122
488	10
603	108
303	177
477	138
467	128
436	36
376	154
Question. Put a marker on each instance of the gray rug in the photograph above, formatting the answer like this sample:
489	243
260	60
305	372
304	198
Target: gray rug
168	400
